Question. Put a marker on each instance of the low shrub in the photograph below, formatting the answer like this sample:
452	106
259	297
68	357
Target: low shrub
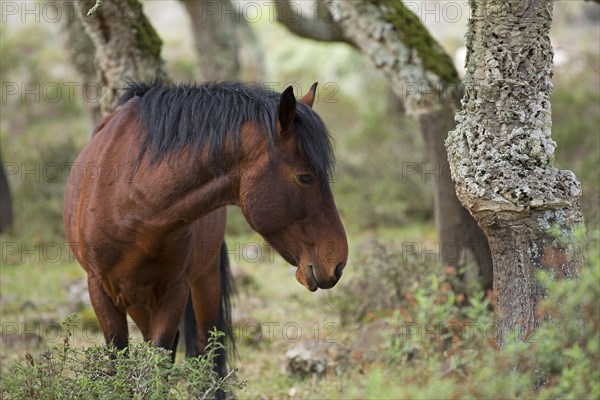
138	372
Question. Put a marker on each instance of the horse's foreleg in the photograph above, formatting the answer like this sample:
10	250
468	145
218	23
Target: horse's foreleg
164	319
141	317
112	320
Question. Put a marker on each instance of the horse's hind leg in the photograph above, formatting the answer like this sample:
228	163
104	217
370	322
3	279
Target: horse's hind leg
112	320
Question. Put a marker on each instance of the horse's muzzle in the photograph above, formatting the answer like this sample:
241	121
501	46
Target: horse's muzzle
310	279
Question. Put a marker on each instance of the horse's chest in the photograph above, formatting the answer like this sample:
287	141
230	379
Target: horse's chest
139	268
143	283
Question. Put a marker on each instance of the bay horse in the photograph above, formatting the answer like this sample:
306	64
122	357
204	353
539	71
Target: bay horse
144	206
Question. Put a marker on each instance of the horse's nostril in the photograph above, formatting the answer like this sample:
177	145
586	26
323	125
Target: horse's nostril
338	271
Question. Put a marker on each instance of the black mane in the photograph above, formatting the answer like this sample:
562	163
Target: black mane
174	118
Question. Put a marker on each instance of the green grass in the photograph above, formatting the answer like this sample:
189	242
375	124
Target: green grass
41	283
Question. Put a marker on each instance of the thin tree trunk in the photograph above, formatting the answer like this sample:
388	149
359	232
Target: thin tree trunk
213	26
424	77
501	157
461	239
127	46
226	45
81	52
250	53
6	212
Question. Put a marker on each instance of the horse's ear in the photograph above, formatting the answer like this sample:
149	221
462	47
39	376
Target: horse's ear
309	98
287	110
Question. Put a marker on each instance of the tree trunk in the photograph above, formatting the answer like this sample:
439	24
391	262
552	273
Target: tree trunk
127	46
213	23
501	158
226	45
424	77
461	239
81	52
6	213
250	53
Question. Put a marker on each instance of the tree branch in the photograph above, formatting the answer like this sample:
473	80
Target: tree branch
420	72
318	24
95	7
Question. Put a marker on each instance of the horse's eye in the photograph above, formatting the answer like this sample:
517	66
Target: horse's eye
305	179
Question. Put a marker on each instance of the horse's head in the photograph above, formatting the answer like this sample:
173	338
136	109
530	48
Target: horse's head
286	197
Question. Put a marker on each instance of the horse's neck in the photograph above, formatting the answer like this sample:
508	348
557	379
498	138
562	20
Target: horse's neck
167	197
196	203
186	188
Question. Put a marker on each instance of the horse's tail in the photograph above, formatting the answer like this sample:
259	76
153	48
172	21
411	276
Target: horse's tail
224	323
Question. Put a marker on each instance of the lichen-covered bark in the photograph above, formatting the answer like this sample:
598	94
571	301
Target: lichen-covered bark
214	37
501	156
127	46
423	76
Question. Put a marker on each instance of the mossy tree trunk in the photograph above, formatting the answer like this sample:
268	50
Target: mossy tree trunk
127	46
501	157
423	76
